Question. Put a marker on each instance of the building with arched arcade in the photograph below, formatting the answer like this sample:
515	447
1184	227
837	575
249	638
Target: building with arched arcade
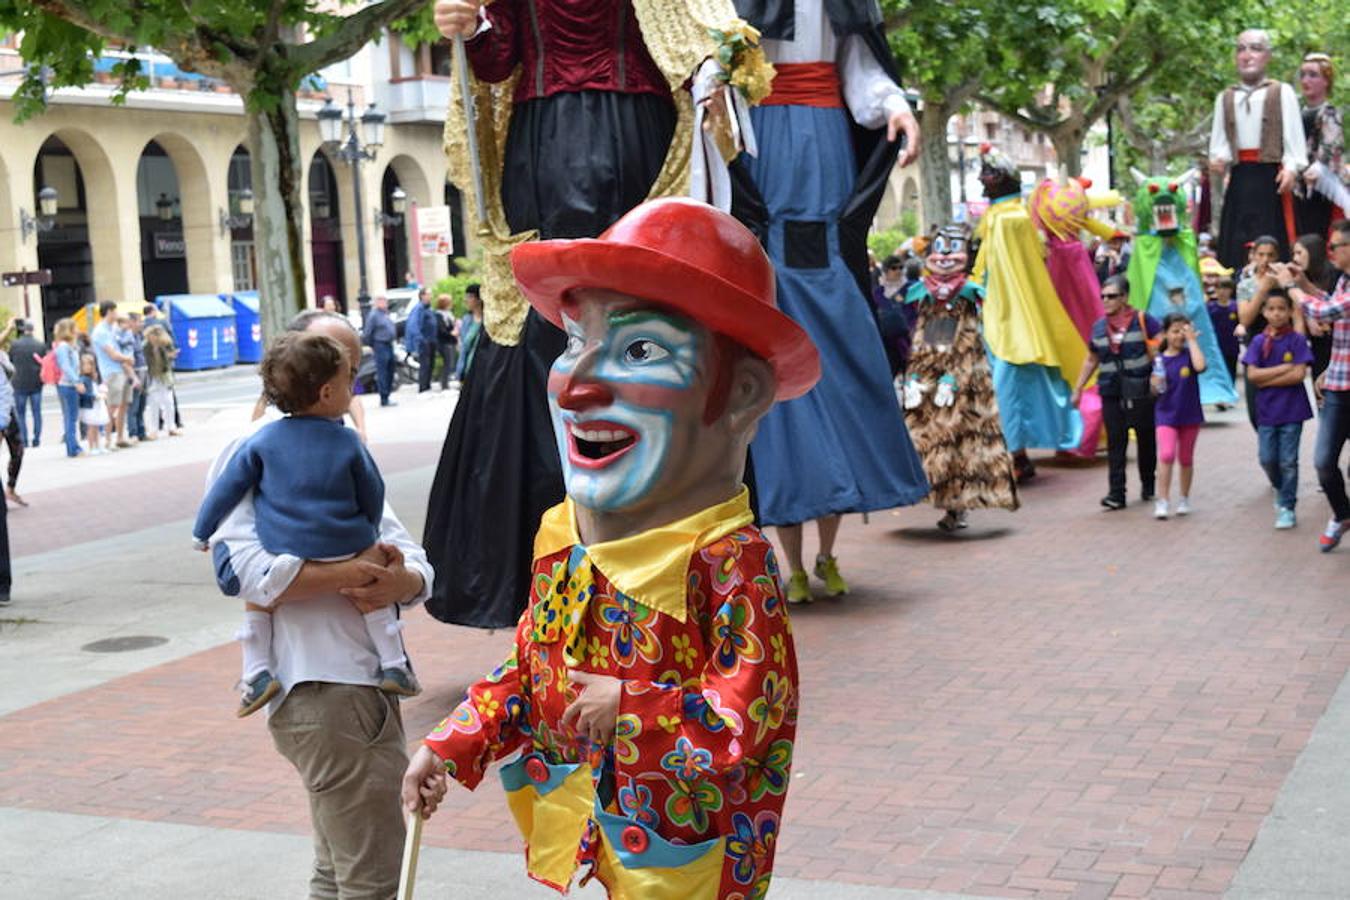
148	193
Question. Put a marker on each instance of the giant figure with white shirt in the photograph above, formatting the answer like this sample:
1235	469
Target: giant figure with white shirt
828	138
1258	138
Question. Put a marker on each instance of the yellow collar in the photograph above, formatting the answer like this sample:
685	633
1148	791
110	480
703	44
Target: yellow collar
651	567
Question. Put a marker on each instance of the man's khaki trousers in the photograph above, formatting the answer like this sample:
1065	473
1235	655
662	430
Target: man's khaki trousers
347	743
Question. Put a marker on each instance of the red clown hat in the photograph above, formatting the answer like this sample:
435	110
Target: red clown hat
690	258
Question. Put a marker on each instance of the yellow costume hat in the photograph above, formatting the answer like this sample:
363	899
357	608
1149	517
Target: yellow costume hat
1211	266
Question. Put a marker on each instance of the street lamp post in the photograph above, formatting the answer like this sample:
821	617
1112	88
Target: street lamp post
43	222
164	208
350	149
243	202
398	202
962	142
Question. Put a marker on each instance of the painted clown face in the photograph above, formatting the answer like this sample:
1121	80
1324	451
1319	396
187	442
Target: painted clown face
628	396
948	254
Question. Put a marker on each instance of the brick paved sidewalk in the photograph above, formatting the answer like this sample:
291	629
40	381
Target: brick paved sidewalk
1061	702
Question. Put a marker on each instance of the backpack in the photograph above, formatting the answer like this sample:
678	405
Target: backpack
1151	344
50	372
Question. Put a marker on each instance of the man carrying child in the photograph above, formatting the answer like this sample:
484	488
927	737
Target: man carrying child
330	719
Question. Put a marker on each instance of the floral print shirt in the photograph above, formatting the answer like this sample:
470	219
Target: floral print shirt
703	644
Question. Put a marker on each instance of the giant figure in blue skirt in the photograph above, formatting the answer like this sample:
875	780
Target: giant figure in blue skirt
828	137
1164	276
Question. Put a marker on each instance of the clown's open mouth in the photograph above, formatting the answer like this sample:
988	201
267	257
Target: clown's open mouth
596	444
1165	216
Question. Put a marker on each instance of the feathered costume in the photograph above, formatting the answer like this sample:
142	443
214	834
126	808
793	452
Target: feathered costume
1061	212
950	406
1164	275
1037	352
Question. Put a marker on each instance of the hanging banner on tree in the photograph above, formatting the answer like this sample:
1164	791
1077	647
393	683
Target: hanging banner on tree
433	230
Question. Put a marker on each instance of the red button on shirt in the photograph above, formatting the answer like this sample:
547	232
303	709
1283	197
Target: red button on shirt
536	769
634	839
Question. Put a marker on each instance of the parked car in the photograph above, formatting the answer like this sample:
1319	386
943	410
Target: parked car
401	302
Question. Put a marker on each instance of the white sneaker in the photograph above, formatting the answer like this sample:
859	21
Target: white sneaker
1184	506
1160	508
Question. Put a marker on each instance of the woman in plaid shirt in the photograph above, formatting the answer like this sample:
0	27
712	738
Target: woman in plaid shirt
1334	428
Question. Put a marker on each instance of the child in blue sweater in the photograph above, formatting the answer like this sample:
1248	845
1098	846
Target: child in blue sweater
317	495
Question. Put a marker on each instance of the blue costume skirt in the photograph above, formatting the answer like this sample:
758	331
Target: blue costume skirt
1033	405
1215	385
843	446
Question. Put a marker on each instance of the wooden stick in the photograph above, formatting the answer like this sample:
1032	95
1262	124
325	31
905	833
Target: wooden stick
412	844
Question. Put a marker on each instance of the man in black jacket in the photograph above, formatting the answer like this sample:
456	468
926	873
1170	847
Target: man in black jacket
26	353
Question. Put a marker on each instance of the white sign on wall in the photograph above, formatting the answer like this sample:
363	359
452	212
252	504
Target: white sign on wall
433	230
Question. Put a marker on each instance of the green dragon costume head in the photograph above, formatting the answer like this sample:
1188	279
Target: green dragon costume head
1159	205
1159	211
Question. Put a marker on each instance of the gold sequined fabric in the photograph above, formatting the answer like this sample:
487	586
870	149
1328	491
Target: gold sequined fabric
677	36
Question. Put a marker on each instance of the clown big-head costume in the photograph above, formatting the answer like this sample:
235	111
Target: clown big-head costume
674	350
649	702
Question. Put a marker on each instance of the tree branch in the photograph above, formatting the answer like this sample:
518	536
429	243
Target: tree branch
897	20
76	14
1118	89
1017	114
351	35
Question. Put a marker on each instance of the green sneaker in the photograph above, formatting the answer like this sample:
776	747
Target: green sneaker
799	588
827	568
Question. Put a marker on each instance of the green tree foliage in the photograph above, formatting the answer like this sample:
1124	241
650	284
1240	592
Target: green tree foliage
1098	52
260	48
950	52
454	285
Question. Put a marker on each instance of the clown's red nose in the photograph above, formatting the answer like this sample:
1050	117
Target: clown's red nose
584	395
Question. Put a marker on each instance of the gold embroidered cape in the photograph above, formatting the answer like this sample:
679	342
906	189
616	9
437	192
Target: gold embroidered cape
677	35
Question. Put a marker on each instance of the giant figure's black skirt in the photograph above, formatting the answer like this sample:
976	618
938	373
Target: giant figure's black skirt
575	162
1252	208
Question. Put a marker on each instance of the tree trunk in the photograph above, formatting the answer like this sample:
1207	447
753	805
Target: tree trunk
935	183
278	213
1068	144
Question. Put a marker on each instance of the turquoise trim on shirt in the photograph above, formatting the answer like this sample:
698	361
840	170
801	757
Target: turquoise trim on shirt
514	777
660	853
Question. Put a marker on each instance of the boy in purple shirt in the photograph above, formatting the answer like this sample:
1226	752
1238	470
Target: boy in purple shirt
1277	362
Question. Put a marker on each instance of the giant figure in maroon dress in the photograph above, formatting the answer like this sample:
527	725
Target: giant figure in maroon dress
590	129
